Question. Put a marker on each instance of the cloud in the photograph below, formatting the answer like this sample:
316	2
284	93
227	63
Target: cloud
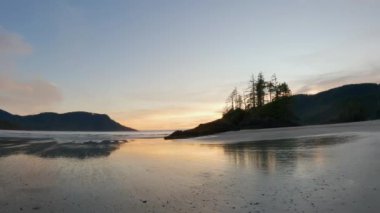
353	60
13	44
326	81
27	96
17	94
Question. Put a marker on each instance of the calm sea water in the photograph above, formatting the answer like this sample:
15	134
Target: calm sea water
80	137
337	171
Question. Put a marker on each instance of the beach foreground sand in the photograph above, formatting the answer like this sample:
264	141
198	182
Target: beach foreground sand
327	168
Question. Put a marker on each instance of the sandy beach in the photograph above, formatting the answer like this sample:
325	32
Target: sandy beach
326	168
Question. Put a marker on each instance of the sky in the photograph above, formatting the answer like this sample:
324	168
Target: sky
170	64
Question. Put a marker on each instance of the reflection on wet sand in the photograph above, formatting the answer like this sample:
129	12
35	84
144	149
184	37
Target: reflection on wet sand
50	149
270	155
312	174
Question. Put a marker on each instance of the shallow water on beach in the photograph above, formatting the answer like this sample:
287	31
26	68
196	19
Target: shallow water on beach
316	173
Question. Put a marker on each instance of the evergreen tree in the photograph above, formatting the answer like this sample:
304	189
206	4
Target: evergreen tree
272	87
260	90
251	96
256	94
231	100
283	90
238	101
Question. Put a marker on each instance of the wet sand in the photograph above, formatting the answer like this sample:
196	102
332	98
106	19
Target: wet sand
329	168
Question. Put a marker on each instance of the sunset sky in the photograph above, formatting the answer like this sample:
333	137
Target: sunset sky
164	64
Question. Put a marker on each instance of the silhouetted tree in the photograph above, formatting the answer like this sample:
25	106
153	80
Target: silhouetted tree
244	100
283	90
251	93
260	89
272	87
231	100
238	101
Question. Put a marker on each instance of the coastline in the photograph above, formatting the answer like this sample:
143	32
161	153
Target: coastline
248	135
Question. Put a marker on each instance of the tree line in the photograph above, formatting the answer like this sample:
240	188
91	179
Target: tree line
258	93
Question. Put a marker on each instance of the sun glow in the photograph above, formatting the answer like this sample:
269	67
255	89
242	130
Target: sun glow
170	118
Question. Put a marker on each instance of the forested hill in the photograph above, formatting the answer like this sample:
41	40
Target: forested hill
349	103
72	121
356	102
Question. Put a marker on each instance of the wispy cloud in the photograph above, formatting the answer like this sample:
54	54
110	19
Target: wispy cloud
18	94
27	96
326	81
13	44
353	60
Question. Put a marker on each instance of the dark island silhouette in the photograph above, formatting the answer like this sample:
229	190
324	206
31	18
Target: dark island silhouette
270	104
71	121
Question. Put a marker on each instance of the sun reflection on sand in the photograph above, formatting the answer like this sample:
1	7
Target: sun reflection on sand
148	174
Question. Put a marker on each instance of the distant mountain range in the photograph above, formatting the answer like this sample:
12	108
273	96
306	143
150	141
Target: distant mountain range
349	103
71	121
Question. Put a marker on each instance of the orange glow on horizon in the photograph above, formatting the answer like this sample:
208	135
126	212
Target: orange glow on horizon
168	119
